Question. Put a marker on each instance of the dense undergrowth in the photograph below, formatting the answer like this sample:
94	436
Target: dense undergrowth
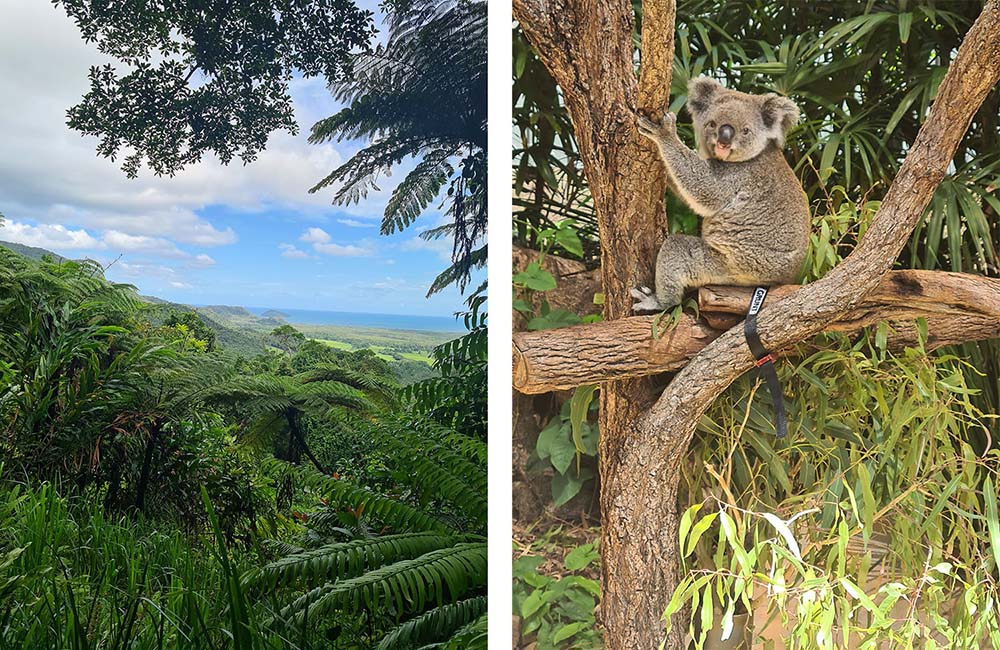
159	493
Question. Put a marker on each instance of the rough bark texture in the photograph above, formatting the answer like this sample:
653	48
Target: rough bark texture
586	44
958	307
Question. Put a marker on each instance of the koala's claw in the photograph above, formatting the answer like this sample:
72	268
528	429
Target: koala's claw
647	300
666	128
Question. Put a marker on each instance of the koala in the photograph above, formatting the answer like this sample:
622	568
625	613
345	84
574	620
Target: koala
755	217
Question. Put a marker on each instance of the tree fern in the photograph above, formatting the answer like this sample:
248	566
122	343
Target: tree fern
417	190
421	94
391	512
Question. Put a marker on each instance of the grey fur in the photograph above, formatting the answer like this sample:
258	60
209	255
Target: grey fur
755	219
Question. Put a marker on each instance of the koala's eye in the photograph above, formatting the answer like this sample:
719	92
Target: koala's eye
711	124
746	130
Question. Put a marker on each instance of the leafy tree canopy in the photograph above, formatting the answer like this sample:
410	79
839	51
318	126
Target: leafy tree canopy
421	95
199	76
193	325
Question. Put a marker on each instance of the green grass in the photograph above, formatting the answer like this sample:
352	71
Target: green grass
365	337
383	351
340	345
416	356
73	577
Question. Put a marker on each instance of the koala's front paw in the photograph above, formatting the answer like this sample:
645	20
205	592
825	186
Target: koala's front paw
647	300
666	129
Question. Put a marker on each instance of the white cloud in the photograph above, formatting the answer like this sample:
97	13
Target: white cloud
202	261
125	243
341	251
354	223
140	270
442	246
49	236
52	175
292	252
321	243
180	285
315	236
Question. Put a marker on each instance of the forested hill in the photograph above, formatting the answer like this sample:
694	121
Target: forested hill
31	252
240	332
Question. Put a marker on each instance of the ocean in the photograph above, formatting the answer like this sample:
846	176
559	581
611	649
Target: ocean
357	319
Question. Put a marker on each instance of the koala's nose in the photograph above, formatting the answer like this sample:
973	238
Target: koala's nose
726	133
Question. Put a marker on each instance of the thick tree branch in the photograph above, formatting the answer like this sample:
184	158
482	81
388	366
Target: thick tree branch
957	307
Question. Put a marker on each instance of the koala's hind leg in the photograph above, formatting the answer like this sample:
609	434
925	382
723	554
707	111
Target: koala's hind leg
683	261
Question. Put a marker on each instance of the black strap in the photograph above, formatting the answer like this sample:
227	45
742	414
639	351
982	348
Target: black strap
765	360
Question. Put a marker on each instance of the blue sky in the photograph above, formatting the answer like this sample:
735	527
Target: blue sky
239	235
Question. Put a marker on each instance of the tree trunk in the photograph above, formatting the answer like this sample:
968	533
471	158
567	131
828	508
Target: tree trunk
293	453
957	307
587	46
147	463
644	493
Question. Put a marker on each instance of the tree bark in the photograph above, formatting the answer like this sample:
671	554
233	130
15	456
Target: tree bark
957	307
586	44
147	465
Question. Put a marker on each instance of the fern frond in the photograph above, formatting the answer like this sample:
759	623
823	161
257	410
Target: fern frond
389	511
473	636
417	190
440	576
349	559
438	624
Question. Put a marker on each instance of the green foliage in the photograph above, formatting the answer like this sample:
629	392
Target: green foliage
423	576
421	571
558	611
565	439
190	324
402	587
424	629
86	387
74	576
457	399
532	283
131	419
285	337
549	187
207	76
422	95
884	481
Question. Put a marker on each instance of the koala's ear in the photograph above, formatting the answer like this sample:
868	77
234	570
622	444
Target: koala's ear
701	90
778	114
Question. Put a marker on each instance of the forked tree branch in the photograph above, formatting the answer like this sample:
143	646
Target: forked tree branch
652	455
